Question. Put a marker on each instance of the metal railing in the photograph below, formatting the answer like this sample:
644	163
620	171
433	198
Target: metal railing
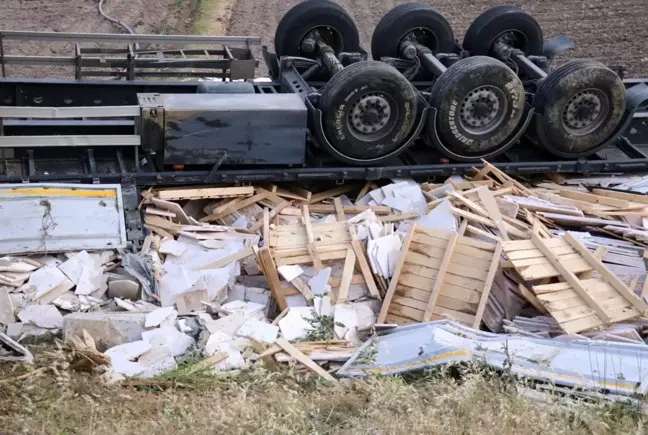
142	57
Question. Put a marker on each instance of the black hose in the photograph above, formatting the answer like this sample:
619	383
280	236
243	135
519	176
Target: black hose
111	19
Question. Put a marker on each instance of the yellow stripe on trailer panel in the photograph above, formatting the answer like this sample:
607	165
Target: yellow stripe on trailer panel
62	192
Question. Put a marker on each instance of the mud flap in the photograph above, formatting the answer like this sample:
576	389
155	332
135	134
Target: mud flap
432	137
636	100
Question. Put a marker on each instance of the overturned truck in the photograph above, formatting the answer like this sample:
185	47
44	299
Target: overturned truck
427	105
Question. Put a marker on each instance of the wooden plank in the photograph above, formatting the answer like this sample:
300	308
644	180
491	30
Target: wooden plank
565	304
299	356
532	298
398	217
164	233
243	253
413	293
525	245
456	304
205	192
312	249
270	271
466	260
600	253
460	293
573	313
347	275
594	199
487	286
489	203
236	207
447	313
535	253
307	259
428	253
610	277
461	281
426	240
395	277
436	234
338	209
158	212
473	252
318	197
408	312
417	269
541	271
634	197
543	260
349	209
569	276
398	320
271	214
438	282
266	226
479	232
474	243
416	281
409	302
579	325
365	269
466	272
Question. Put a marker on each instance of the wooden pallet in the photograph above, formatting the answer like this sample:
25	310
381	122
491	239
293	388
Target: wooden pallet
579	302
440	275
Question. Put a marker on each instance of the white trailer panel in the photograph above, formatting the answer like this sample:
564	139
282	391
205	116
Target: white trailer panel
50	217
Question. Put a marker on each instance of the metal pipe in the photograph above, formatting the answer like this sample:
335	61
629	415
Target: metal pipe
329	58
504	51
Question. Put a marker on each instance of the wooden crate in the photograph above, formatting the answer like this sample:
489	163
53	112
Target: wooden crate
440	275
579	302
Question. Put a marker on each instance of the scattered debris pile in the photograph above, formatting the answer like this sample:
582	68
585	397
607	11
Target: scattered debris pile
267	274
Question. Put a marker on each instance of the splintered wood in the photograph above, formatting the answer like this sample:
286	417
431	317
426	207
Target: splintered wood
441	275
578	302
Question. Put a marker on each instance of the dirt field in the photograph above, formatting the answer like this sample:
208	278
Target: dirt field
613	31
144	16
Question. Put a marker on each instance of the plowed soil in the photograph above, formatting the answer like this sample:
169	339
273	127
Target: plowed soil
82	16
612	31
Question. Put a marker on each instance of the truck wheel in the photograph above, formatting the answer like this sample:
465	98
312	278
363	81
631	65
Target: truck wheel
508	24
416	19
368	111
480	102
582	103
328	19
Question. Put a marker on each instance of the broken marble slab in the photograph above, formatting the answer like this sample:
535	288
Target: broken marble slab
191	301
222	343
294	324
247	309
44	316
227	324
157	317
441	218
46	279
109	329
21	331
18	265
58	291
72	302
170	337
7	314
128	351
172	247
258	330
84	272
319	283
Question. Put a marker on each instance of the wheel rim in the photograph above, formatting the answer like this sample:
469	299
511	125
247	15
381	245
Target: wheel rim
585	112
372	116
307	44
482	110
512	38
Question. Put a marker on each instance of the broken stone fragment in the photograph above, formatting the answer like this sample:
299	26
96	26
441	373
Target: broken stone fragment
45	316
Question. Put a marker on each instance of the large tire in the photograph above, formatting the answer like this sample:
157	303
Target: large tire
373	96
480	103
405	18
497	21
308	15
585	84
